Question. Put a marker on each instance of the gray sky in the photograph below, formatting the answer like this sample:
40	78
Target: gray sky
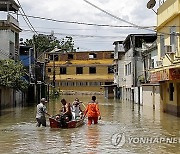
102	38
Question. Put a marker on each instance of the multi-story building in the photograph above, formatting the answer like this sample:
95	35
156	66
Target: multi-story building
133	64
9	48
168	72
81	71
119	67
9	30
151	91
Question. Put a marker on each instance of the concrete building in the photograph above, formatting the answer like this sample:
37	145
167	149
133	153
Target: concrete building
168	72
80	71
119	67
9	30
133	64
9	48
150	91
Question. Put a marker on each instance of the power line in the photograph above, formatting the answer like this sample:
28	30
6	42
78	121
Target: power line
31	26
74	34
83	23
123	26
116	17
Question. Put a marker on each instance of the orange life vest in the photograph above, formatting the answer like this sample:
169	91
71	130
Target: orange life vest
92	110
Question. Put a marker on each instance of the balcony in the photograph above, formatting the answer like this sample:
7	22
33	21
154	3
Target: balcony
167	11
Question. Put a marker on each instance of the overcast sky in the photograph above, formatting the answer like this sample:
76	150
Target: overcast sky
88	37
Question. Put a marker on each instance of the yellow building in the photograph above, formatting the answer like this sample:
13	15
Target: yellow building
168	73
80	71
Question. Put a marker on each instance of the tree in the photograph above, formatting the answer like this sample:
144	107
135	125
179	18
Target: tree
46	43
11	75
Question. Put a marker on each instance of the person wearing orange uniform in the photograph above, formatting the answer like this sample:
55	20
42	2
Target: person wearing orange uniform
92	111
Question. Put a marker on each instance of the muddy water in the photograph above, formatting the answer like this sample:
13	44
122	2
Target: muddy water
124	128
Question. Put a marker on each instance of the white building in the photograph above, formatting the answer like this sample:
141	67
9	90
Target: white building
119	81
9	30
151	91
133	75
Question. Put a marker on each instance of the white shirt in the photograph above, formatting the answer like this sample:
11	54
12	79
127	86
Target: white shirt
41	110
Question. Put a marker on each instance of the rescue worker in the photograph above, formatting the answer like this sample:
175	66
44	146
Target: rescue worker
92	111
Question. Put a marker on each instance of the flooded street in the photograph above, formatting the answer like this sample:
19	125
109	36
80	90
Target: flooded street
19	134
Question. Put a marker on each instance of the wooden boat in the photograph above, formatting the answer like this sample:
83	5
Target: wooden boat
71	124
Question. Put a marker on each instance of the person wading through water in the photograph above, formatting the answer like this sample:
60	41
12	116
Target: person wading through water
92	111
40	114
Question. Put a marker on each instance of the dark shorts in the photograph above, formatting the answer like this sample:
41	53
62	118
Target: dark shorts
41	121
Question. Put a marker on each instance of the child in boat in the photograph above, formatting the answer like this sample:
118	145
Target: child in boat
92	110
76	109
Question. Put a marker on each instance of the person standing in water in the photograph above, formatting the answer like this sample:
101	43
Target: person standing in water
40	114
92	111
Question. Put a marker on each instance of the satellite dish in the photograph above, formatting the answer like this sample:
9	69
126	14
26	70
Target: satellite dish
151	4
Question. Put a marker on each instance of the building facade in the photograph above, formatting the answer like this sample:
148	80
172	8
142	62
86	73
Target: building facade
119	67
168	72
133	65
80	71
9	30
150	91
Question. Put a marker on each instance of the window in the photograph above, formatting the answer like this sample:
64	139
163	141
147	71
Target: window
112	55
62	70
51	57
128	69
79	70
171	91
162	48
110	69
92	55
55	57
92	70
70	56
49	70
152	63
173	36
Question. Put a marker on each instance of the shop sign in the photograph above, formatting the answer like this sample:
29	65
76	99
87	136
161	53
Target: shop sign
174	74
166	74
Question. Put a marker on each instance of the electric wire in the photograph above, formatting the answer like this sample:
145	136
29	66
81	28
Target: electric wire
118	18
24	14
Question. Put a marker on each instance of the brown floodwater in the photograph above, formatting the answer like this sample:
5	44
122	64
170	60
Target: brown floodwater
124	128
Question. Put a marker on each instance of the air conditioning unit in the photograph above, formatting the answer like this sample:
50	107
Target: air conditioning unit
169	49
159	63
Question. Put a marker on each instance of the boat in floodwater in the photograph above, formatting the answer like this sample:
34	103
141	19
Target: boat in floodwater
54	123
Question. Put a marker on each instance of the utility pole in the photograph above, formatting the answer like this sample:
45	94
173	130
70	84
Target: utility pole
54	72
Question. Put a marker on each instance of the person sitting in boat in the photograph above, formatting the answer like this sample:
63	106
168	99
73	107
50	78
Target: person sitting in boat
66	114
76	110
92	110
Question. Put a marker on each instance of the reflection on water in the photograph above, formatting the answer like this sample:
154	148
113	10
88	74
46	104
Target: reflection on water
18	133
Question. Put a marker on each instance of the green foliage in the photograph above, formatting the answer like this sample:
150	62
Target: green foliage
11	74
46	43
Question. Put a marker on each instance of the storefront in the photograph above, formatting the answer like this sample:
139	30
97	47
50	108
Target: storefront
169	80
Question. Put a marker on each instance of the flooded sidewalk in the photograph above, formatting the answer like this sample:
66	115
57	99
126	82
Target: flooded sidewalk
124	128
